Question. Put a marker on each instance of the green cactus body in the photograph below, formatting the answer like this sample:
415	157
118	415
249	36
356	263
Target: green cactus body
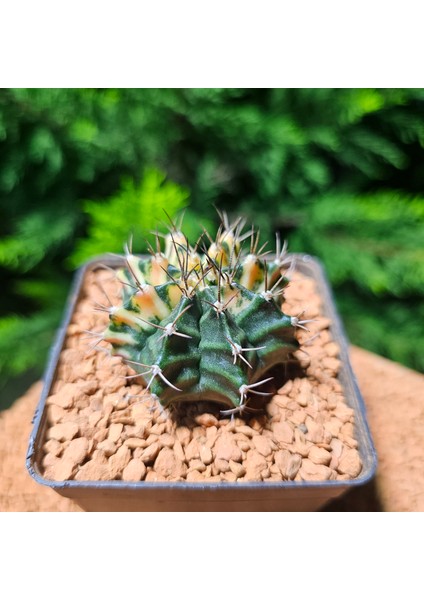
204	326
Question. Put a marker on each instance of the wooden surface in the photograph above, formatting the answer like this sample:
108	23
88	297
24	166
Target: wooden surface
394	396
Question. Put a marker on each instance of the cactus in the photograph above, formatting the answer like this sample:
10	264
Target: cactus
204	324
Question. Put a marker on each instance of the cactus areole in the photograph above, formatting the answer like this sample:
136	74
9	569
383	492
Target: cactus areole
204	323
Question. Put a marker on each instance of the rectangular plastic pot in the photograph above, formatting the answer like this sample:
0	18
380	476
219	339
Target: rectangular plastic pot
222	496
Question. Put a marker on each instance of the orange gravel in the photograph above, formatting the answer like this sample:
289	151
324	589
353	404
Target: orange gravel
103	426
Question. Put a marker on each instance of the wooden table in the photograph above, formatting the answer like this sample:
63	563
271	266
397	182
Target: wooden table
394	396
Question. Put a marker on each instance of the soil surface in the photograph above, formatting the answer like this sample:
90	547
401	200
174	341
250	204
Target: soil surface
104	425
393	397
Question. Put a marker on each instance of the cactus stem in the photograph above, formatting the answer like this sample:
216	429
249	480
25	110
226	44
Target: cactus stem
222	272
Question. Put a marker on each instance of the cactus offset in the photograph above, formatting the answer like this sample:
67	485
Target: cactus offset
204	325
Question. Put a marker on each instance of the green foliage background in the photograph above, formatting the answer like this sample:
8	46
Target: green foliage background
339	172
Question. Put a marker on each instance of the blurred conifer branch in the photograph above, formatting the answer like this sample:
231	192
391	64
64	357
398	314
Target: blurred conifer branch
338	172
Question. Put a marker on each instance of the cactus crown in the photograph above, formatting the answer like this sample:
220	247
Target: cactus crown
204	322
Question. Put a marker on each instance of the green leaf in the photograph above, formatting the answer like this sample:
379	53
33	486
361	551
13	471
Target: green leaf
376	241
136	209
24	341
36	235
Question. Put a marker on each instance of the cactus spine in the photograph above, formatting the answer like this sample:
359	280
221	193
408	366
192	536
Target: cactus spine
204	325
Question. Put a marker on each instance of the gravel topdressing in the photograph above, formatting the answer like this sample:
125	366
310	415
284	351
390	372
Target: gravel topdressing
103	425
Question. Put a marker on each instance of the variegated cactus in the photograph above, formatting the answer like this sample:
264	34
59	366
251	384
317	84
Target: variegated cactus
204	325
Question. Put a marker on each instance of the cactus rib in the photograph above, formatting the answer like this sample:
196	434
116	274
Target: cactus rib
204	324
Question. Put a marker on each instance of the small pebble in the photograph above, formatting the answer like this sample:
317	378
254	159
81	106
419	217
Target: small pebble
115	431
193	476
262	445
309	471
197	465
63	431
93	471
118	461
62	469
293	466
225	448
134	471
108	447
53	447
238	469
150	453
192	450
183	435
350	463
77	451
168	465
222	465
134	443
255	464
206	455
206	420
319	456
283	432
